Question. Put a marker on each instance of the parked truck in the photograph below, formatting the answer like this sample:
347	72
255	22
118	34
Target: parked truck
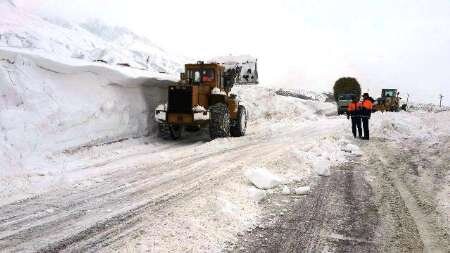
344	90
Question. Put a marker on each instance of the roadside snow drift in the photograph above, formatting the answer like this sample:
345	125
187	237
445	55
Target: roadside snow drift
48	107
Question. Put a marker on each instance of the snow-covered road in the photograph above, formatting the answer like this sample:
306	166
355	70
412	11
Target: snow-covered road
383	202
164	196
149	195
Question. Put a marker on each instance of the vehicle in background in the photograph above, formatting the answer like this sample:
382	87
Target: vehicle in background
344	90
342	103
389	101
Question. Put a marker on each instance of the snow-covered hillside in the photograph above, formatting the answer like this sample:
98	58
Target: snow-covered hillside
89	41
65	85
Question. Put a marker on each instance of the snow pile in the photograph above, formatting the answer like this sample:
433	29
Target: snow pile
245	63
90	41
302	94
421	125
264	104
323	155
262	178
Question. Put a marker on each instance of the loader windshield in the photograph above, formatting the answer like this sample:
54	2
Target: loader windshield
201	76
389	93
207	75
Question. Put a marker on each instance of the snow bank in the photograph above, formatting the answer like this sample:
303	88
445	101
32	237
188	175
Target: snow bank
262	178
47	107
414	107
264	104
420	124
302	94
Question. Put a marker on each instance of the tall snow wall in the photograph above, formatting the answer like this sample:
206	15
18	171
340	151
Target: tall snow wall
48	107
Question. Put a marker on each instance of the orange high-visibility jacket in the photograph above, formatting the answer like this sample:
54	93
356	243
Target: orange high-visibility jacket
354	109
354	106
367	104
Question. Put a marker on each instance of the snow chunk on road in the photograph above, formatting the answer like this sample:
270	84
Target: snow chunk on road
256	194
262	178
302	190
285	190
353	149
322	166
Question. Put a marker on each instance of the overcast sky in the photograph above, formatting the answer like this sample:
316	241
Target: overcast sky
303	44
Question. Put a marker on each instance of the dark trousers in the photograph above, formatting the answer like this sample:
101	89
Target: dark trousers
365	123
356	124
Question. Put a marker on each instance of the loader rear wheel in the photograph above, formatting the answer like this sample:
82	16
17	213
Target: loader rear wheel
169	132
219	122
239	125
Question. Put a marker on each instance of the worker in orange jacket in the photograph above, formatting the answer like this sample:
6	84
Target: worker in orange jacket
366	112
354	111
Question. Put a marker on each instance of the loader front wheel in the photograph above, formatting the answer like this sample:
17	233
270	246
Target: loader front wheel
169	132
240	124
219	122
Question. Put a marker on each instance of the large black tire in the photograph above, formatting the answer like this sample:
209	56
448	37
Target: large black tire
239	126
169	132
219	121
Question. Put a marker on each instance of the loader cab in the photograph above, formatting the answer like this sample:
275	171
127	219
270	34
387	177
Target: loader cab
202	74
389	93
212	75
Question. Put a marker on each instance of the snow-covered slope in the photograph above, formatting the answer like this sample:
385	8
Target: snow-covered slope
62	86
90	41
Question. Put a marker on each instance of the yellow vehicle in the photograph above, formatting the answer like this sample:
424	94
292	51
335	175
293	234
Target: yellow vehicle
389	101
202	99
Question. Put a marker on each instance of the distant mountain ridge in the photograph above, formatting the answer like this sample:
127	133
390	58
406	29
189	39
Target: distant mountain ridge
90	41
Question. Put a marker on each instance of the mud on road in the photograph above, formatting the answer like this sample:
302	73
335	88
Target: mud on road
389	200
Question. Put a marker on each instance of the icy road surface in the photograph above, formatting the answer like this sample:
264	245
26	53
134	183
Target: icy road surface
158	198
192	195
381	203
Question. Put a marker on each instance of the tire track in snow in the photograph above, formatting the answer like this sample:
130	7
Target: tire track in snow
72	215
